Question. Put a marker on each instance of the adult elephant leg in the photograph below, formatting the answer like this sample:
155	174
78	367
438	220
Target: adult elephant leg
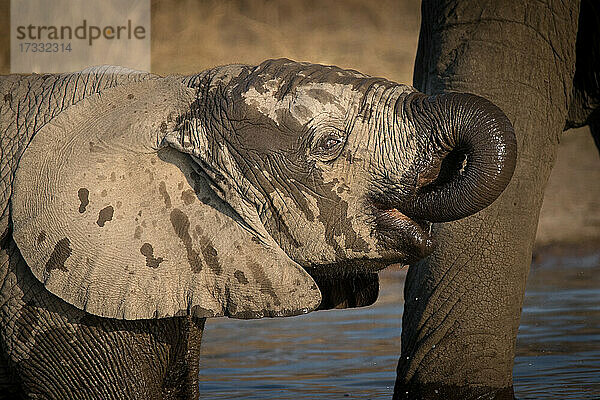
463	303
56	351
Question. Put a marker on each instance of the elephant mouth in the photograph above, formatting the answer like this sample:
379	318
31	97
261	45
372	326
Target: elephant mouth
410	238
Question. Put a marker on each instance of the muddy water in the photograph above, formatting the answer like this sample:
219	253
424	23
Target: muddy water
353	353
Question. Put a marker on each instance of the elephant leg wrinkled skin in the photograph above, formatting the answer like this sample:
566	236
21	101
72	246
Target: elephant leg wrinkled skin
463	303
77	355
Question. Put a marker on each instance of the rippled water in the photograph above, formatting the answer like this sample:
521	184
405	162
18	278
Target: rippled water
353	353
558	347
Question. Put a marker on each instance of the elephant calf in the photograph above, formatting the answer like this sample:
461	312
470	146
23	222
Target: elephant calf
135	206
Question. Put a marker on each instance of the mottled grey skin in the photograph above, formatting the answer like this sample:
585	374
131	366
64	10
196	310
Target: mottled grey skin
324	168
539	61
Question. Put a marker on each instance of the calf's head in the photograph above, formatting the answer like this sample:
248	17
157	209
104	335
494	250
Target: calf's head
345	169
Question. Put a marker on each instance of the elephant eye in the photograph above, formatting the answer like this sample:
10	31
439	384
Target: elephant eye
330	143
328	147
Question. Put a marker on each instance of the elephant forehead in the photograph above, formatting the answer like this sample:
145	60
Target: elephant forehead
227	73
304	103
263	99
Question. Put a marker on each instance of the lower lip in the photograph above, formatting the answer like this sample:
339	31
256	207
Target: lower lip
395	214
408	232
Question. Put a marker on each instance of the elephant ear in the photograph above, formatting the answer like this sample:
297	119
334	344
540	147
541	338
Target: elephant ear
121	227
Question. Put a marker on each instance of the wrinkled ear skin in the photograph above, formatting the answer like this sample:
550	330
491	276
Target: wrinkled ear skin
116	224
349	290
28	102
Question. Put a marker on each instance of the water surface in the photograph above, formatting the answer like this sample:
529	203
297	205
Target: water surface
558	346
343	354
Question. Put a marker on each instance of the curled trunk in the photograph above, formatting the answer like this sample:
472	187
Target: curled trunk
468	159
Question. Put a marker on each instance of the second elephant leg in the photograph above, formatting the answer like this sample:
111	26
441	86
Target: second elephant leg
463	303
